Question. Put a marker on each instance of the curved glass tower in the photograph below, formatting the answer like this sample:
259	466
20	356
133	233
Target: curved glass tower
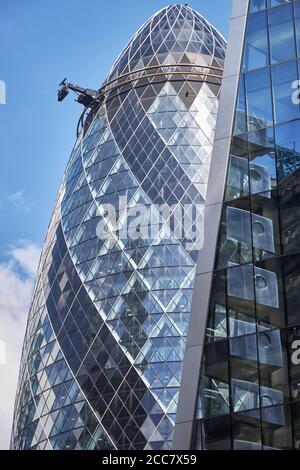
105	340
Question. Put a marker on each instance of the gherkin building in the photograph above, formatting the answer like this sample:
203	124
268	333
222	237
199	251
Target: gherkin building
105	340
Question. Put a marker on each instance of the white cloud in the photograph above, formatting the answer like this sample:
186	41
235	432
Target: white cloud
18	200
27	255
15	297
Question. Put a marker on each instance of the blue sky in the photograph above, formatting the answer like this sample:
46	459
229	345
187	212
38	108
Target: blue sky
41	43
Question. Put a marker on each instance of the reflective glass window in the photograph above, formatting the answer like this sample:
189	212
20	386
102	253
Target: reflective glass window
214	386
240	300
259	101
287	137
235	244
265	225
273	367
237	184
240	121
297	24
284	77
268	282
276	3
256	48
257	5
282	37
262	166
244	373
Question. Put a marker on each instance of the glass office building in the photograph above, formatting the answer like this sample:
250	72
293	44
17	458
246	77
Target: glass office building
246	349
105	340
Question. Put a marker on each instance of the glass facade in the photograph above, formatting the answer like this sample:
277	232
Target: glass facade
105	340
249	389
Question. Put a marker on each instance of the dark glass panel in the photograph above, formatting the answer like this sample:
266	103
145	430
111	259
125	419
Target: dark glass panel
295	409
291	269
289	203
256	48
198	436
216	433
282	36
294	360
276	428
246	430
217	323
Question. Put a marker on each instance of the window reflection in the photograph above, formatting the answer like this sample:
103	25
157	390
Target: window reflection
263	175
214	387
283	77
269	293
259	101
240	282
238	179
297	24
276	3
258	175
281	30
235	238
265	225
273	367
244	230
216	397
256	49
217	326
287	138
240	124
257	5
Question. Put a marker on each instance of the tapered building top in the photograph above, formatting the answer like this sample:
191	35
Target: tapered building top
176	34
